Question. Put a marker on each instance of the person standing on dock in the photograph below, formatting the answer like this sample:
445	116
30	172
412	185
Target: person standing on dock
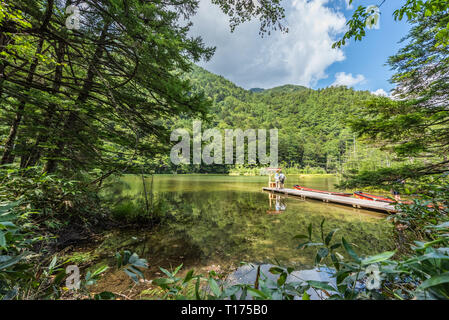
281	179
276	179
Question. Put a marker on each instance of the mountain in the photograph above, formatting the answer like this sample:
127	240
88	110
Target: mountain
312	123
285	89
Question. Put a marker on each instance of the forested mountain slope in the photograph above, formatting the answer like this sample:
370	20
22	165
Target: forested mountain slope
311	123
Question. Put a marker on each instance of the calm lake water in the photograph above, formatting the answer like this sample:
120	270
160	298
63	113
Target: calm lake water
224	220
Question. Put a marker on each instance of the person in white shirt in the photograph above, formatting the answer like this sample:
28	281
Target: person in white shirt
276	179
281	179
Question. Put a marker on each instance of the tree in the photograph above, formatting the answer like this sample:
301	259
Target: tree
416	123
364	17
94	97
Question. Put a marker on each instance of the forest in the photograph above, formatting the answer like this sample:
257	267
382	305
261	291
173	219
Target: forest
316	139
97	100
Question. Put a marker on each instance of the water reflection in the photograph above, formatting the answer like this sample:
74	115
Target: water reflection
213	219
277	204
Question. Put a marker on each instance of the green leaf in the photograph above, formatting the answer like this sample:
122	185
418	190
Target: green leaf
378	258
257	293
276	270
214	287
309	230
322	253
53	262
5	208
138	262
197	289
162	281
300	236
167	273
188	277
282	279
320	285
350	251
177	269
335	261
302	245
305	296
329	237
132	275
335	246
99	271
8	262
321	229
2	240
231	291
434	281
6	224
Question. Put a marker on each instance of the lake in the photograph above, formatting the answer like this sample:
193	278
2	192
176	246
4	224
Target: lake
217	221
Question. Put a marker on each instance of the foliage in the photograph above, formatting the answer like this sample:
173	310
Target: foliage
26	273
213	287
54	203
414	125
364	17
131	264
423	275
429	210
311	123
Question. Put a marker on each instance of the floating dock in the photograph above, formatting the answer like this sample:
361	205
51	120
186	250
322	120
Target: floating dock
356	203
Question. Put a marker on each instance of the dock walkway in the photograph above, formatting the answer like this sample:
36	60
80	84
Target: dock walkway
356	203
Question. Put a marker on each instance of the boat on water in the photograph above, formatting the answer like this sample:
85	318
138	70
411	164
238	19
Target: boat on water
341	194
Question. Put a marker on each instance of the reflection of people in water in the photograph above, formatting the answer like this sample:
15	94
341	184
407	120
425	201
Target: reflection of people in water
279	204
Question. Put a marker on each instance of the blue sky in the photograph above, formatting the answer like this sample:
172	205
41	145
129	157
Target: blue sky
368	57
303	56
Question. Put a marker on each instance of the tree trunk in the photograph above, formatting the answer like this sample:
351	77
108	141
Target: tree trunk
71	121
8	156
35	152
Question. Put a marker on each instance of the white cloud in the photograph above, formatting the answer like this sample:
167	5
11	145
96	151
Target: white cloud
380	92
299	57
347	79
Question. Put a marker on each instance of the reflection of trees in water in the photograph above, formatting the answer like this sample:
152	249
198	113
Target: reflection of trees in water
234	225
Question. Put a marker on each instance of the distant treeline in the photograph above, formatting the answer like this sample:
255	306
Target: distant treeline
312	124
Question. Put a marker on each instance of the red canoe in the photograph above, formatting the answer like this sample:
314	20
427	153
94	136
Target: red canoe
342	194
367	196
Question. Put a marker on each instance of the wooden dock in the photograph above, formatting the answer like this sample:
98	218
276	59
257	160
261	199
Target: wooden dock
356	203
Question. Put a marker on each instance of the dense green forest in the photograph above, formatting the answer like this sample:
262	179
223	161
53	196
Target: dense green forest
80	104
312	124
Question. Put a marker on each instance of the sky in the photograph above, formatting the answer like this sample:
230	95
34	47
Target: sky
304	55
